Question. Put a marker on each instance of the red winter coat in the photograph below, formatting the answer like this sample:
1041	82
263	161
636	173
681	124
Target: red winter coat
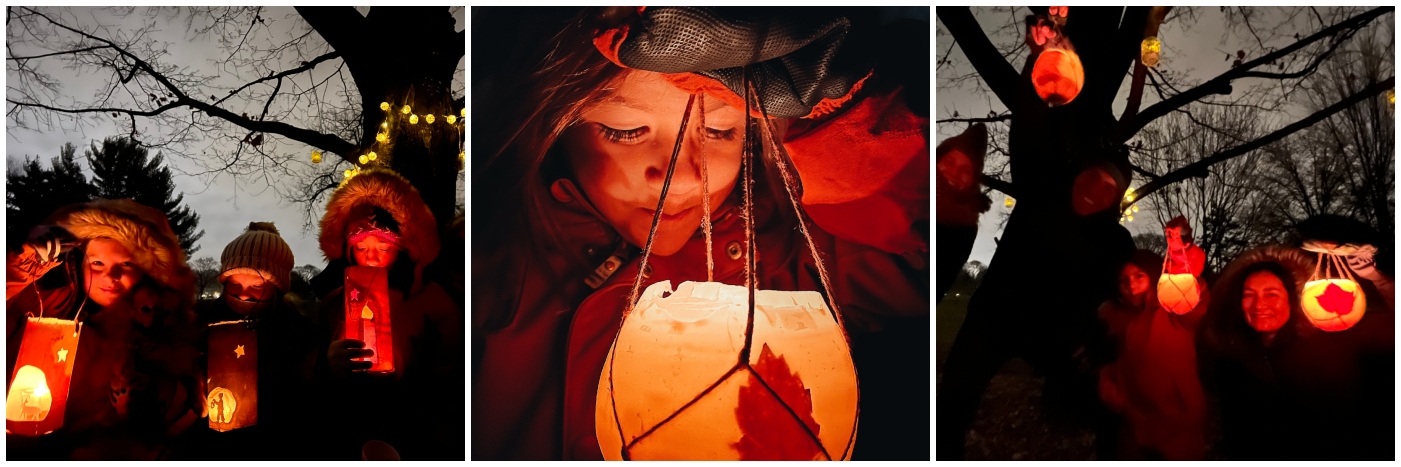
540	334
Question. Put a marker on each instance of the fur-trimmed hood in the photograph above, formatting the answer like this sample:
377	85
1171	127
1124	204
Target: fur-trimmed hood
1224	315
142	230
418	229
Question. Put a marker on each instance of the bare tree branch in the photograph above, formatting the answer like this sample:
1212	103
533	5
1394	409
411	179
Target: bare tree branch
1222	84
999	185
998	118
1200	167
999	75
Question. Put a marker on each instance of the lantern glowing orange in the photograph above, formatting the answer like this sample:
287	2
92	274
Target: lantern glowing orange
233	375
38	389
367	314
1332	300
1095	189
1058	75
1179	290
677	386
1149	51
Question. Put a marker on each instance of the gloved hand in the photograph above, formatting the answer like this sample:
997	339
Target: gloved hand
341	355
1362	263
798	57
49	242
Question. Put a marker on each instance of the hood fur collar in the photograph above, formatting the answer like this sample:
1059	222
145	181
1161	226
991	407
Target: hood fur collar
143	231
418	230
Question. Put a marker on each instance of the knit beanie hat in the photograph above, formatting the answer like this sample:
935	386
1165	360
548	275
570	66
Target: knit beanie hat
261	251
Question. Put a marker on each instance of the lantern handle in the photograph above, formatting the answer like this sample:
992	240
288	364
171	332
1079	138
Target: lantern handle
705	196
661	202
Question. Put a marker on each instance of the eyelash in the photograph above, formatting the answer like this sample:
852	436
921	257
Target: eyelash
632	136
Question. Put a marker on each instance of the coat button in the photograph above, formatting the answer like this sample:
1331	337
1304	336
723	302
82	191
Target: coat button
733	250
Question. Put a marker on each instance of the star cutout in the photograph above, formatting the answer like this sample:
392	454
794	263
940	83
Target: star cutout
62	355
354	295
239	351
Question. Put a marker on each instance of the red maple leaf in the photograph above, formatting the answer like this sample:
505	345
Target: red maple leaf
769	431
1336	300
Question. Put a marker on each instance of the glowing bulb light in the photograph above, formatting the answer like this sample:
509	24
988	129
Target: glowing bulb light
413	119
381	137
373	156
405	110
452	119
1150	51
429	118
384	106
316	157
364	159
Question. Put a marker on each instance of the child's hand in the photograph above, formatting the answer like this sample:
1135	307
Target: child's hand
342	355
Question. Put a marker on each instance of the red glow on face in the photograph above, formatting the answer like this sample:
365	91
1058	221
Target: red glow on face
956	169
1058	76
1094	191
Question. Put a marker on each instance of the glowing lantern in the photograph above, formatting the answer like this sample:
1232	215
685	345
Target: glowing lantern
384	106
1332	299
429	118
38	389
316	157
1179	290
1150	51
676	384
452	119
1009	202
233	376
367	314
1058	75
1096	189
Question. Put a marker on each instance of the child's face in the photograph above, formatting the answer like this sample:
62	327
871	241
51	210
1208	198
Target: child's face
373	252
109	272
622	148
248	287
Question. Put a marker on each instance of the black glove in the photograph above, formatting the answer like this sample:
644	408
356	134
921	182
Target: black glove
798	56
49	241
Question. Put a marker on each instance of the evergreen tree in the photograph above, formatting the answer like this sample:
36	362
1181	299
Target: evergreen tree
123	169
33	192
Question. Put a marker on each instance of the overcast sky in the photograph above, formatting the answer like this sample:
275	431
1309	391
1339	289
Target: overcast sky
1197	50
225	206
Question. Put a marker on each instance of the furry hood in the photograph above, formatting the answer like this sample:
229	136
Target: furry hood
144	232
418	230
1224	315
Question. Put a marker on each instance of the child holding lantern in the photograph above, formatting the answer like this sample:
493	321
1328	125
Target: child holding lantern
255	271
380	225
116	267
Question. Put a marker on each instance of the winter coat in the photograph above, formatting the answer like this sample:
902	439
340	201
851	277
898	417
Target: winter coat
429	371
287	348
135	380
1154	381
1277	400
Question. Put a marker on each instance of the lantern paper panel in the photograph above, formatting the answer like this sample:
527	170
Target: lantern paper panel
367	314
1178	293
1058	75
38	392
1151	50
1333	304
794	399
233	376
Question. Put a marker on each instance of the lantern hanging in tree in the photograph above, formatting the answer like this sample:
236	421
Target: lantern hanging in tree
1179	290
233	375
367	314
1057	73
38	393
677	383
1332	299
1150	50
1096	188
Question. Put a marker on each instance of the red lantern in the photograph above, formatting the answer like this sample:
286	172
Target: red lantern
1058	75
367	314
1179	290
1096	188
39	386
675	387
233	375
1332	299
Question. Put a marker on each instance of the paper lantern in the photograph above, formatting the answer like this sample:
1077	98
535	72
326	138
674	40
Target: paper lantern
1150	50
1332	300
675	384
233	375
1179	290
1095	189
38	389
1058	75
367	314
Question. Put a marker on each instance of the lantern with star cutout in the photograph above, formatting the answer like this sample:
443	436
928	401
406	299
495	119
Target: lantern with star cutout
233	375
367	314
677	384
1332	299
38	389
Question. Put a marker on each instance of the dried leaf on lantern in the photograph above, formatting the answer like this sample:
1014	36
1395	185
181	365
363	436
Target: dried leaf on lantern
759	410
1336	300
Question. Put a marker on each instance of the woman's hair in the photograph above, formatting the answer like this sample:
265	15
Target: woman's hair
541	72
1229	314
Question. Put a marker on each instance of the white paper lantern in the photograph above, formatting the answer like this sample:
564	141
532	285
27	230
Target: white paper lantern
674	386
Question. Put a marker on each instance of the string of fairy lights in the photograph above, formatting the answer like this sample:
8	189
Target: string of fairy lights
407	117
